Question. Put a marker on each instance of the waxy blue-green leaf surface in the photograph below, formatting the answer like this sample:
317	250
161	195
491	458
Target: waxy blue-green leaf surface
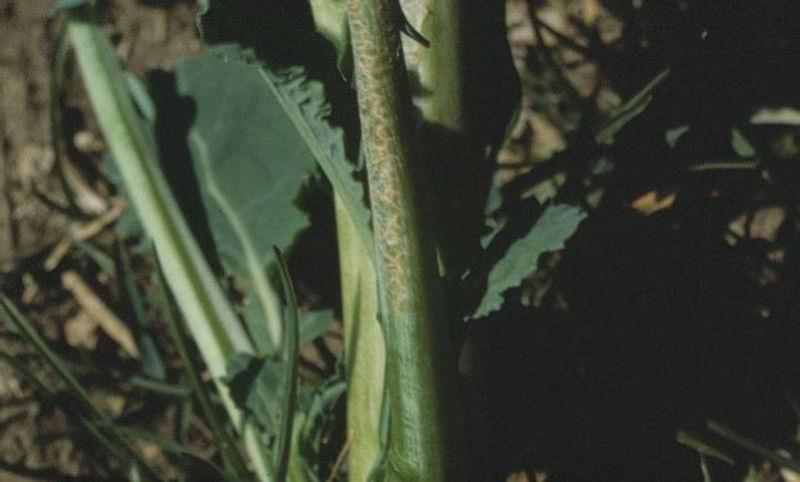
250	162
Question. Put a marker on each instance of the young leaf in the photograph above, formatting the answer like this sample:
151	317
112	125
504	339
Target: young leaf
557	224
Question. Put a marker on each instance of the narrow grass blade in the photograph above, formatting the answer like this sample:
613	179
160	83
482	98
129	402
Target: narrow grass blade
152	363
628	111
101	259
291	347
160	388
181	452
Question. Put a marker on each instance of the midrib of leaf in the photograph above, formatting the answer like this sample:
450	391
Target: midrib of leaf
257	273
339	177
151	192
210	317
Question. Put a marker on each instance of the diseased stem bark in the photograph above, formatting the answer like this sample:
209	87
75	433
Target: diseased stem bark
425	418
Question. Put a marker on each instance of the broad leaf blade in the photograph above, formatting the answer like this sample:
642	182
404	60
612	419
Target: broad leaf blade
305	104
250	162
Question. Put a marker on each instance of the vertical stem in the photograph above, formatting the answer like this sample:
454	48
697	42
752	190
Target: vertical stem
364	349
425	418
448	142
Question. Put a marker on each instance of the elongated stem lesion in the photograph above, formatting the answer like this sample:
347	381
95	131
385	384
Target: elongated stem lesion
423	396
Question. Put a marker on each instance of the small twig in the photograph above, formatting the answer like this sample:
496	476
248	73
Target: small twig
97	309
337	466
84	232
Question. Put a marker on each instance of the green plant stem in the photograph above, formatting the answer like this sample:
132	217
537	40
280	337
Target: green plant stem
210	317
425	419
449	78
365	354
443	140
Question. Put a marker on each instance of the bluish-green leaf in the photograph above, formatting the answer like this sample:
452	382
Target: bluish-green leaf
250	161
557	224
305	104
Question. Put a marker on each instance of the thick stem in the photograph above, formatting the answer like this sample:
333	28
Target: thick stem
425	419
453	155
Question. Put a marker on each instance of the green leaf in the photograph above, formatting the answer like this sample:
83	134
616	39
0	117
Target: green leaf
128	225
314	324
209	315
141	97
290	348
152	363
250	162
557	224
101	259
305	104
741	145
256	386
